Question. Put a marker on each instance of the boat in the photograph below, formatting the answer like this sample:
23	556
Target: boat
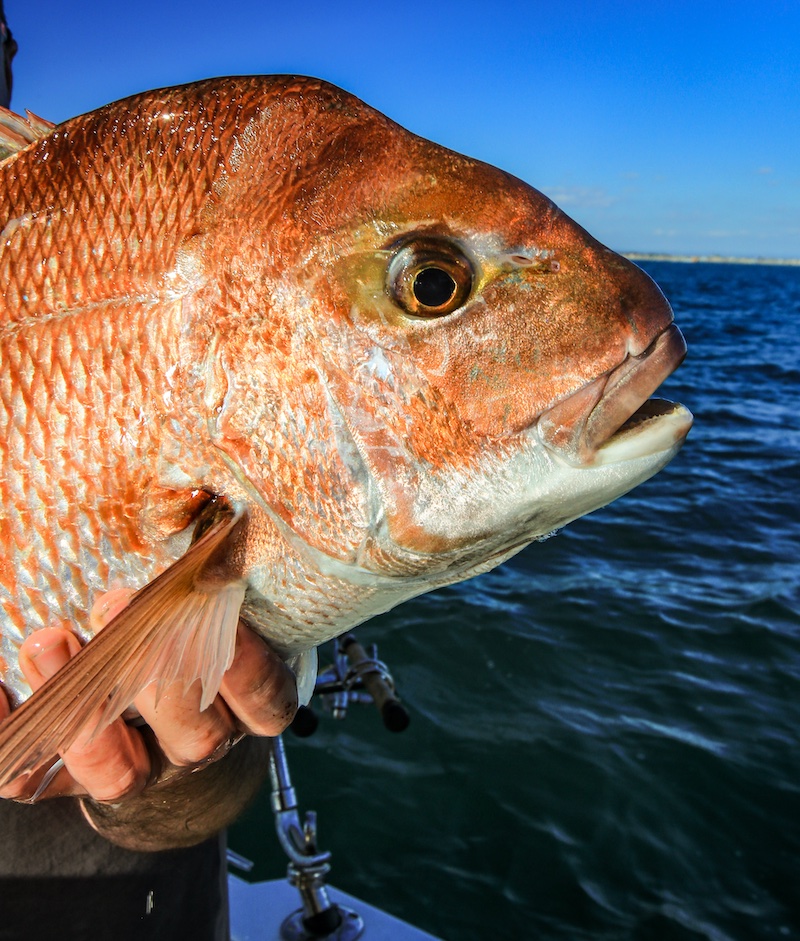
303	907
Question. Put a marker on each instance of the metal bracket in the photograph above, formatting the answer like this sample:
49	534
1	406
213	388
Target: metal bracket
319	919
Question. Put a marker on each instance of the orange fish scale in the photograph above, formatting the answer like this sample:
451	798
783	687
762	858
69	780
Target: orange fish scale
215	305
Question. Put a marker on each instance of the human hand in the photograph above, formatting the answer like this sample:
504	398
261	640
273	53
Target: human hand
258	697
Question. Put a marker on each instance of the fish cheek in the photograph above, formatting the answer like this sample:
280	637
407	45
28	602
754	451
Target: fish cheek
407	435
288	450
479	367
523	345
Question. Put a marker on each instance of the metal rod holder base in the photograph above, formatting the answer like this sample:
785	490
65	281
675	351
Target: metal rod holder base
297	928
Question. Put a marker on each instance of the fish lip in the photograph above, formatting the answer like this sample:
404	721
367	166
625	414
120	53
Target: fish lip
583	428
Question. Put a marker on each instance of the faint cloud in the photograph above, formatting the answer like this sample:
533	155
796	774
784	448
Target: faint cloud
631	175
764	171
582	196
727	233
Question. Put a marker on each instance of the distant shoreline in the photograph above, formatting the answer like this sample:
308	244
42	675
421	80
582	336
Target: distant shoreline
710	259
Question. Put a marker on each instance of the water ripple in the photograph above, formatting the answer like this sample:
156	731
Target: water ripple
604	741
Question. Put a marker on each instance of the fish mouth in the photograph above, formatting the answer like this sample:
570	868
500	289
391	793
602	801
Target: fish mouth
612	418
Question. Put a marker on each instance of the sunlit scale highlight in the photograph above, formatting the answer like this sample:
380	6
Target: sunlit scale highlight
213	308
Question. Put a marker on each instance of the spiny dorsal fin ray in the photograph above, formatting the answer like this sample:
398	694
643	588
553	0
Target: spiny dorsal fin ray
16	132
180	626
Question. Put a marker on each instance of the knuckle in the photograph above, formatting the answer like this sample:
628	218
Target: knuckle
270	706
270	721
203	745
128	783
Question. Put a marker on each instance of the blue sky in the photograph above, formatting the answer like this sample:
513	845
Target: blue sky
659	126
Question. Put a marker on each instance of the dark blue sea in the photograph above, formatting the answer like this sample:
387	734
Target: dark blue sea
604	731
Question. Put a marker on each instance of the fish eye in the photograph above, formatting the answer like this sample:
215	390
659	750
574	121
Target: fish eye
434	287
430	277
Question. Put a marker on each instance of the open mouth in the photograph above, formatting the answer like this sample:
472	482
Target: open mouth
613	418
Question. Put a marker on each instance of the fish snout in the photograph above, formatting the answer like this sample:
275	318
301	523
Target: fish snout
642	305
617	405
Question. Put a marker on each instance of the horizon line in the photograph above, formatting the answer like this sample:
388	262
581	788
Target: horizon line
689	258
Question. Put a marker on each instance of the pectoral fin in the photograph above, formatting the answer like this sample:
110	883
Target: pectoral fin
305	666
181	626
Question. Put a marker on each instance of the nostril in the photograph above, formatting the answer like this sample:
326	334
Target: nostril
540	258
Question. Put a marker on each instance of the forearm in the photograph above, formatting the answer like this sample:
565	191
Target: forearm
185	807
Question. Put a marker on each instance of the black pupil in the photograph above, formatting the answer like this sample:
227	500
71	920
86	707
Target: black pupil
433	287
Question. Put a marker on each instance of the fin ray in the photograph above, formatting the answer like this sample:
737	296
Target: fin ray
180	610
305	665
16	132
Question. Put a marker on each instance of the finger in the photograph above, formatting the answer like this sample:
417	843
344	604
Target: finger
21	788
186	735
259	688
44	652
112	764
109	765
24	787
108	606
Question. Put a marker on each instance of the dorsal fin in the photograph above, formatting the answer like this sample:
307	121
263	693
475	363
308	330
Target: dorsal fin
16	132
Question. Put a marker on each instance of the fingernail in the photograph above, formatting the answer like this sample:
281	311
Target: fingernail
49	656
108	606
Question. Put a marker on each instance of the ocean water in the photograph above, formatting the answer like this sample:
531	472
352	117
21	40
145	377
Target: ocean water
604	731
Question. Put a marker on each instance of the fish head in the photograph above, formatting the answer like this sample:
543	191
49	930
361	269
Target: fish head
448	366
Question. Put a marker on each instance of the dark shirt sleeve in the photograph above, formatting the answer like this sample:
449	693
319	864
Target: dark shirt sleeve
59	879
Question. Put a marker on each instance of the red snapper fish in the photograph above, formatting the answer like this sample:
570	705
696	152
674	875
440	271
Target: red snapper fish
265	354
